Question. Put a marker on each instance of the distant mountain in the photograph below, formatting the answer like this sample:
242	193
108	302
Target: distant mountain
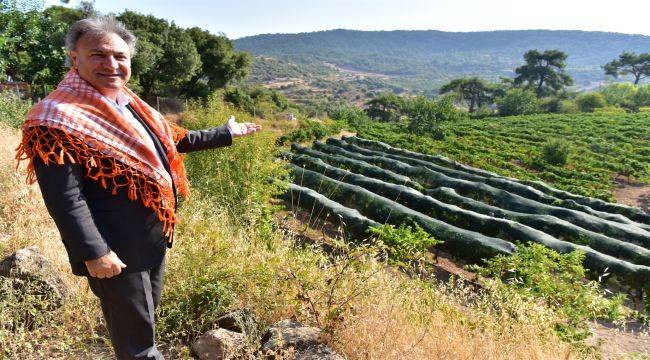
423	60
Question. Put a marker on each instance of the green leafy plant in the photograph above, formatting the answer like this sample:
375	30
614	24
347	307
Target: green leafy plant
556	152
13	109
558	280
404	242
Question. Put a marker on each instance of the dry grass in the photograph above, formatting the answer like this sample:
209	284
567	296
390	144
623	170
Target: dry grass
372	312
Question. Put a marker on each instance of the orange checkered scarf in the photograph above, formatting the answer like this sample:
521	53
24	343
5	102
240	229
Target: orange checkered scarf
76	123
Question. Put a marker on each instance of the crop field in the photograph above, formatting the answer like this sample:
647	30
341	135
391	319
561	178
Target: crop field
478	214
602	147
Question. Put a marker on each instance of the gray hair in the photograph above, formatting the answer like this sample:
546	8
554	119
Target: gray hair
98	27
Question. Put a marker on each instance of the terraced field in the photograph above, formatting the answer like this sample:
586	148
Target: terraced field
604	147
477	213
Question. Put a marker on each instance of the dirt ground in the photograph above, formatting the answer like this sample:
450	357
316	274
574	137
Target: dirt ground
637	195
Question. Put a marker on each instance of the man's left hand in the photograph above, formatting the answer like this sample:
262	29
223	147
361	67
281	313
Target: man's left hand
241	129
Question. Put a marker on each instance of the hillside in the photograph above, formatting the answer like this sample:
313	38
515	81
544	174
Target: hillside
423	60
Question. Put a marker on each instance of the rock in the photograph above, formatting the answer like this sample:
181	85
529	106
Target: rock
29	266
241	321
219	344
307	341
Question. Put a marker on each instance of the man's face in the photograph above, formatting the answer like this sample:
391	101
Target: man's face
104	62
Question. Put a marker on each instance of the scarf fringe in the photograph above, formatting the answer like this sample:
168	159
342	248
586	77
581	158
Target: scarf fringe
54	145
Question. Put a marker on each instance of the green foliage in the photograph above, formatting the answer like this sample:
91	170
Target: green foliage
404	242
568	107
556	152
13	109
248	163
476	92
425	116
619	94
312	130
518	102
558	280
191	307
385	107
31	43
543	72
629	63
511	146
350	115
642	96
589	102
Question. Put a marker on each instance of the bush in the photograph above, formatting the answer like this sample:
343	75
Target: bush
404	242
426	115
568	107
482	112
559	281
550	104
13	109
518	102
351	115
556	152
642	96
311	130
590	101
619	94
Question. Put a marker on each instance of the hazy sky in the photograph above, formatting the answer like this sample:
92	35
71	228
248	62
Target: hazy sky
250	17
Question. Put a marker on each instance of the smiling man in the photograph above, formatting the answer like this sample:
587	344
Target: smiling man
109	170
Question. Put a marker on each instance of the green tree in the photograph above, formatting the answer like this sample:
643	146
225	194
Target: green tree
590	101
476	92
385	107
31	43
166	57
425	116
543	72
629	63
220	63
619	94
518	102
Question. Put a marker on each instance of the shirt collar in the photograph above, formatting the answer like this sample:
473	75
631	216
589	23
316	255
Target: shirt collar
121	100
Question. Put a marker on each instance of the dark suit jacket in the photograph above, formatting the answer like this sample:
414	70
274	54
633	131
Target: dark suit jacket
92	221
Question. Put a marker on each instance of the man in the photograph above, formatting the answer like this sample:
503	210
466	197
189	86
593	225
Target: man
109	169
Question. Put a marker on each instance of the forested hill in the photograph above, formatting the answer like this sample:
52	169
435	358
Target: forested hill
422	59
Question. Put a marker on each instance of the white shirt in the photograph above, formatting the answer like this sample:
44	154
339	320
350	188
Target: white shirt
120	105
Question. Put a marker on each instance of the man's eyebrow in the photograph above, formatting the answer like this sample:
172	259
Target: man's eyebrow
104	50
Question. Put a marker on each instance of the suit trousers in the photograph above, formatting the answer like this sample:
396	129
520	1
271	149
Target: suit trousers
129	301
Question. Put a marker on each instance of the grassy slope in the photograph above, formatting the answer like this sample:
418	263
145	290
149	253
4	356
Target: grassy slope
226	256
512	146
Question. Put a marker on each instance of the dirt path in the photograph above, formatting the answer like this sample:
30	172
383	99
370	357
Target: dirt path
637	195
632	340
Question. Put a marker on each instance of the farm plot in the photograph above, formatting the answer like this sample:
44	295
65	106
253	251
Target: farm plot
476	213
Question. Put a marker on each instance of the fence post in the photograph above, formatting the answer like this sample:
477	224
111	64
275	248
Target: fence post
158	103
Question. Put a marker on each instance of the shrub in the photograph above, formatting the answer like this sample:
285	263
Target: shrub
482	112
568	107
619	94
404	242
642	96
426	115
518	102
556	152
13	108
558	280
590	101
311	130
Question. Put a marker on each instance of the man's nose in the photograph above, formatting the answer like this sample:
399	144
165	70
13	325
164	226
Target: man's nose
111	62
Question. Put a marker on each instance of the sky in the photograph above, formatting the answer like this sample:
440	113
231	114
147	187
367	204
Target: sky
239	18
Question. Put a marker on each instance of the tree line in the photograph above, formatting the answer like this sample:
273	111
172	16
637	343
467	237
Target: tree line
169	61
542	81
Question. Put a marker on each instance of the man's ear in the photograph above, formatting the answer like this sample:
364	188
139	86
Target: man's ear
73	58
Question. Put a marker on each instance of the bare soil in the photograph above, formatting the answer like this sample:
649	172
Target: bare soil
637	195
